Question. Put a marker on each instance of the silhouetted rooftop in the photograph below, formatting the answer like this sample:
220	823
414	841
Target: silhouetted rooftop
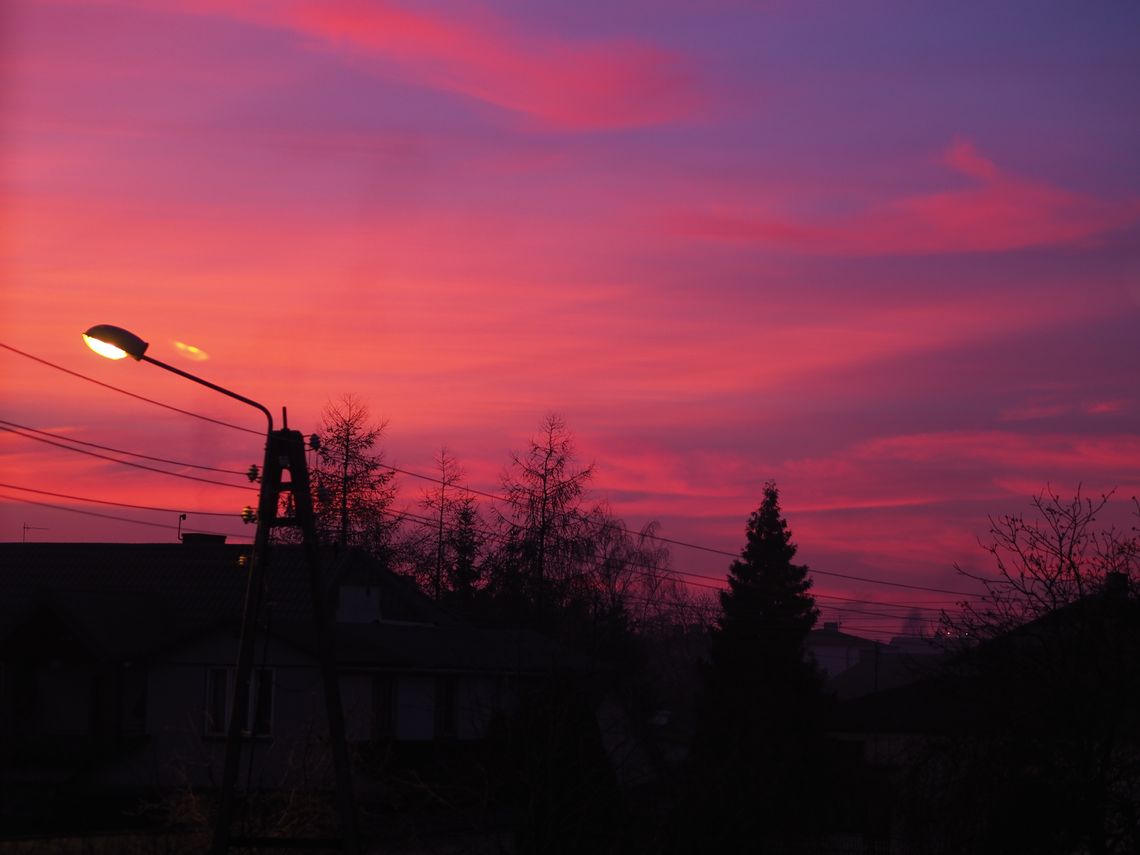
124	600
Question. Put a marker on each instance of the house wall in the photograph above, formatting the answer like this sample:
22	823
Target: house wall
834	659
178	750
356	700
414	707
477	698
415	713
171	746
64	699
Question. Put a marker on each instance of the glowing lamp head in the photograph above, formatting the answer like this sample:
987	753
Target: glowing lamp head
114	342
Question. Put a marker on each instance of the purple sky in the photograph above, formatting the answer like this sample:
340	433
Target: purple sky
887	254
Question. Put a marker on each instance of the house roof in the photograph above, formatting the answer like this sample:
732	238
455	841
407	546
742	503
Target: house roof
1066	651
885	667
128	600
831	636
928	705
122	599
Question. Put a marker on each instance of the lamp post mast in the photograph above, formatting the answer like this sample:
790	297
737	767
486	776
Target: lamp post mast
284	452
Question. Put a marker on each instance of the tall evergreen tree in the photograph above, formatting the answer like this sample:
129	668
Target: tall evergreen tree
767	612
756	749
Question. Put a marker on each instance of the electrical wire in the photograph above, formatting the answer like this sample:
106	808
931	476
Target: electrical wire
119	450
631	565
230	514
126	462
926	606
130	394
112	517
494	497
686	544
705	582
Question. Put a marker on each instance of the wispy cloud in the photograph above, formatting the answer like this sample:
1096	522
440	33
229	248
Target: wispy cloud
562	82
998	211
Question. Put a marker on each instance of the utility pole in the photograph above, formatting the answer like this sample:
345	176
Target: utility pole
285	454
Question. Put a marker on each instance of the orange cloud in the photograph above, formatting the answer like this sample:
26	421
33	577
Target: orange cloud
999	212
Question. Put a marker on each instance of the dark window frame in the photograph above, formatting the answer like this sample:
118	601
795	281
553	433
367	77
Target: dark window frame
219	692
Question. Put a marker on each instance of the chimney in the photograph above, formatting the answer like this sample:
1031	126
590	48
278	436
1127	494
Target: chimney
831	626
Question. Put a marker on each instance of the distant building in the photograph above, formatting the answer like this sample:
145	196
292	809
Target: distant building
834	651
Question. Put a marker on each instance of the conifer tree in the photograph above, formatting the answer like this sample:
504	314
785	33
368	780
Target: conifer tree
759	730
353	489
767	612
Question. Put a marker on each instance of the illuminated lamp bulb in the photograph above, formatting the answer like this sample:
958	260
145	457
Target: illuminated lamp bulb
114	342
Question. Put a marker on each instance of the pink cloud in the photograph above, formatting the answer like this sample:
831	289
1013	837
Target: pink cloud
1011	450
997	212
1032	411
1101	408
556	81
964	157
1044	409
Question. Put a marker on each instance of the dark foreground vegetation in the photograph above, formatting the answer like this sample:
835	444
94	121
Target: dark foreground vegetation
676	725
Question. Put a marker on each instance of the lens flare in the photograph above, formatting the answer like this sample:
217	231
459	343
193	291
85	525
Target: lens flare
191	352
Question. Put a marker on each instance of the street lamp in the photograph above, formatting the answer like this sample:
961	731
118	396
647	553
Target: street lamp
284	449
117	343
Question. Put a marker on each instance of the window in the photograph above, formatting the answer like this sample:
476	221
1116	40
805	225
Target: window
259	713
445	707
383	702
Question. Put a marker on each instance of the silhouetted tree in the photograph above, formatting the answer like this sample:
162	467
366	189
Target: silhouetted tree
1044	562
628	572
465	541
542	527
353	490
433	543
556	772
1044	753
756	750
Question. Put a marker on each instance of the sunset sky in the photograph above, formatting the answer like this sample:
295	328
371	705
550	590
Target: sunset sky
884	253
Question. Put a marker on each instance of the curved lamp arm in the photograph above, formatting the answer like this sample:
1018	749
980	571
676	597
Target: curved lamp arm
116	343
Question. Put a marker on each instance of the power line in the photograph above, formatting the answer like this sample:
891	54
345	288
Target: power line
120	450
849	610
120	504
494	497
112	517
413	517
687	545
642	569
925	607
126	462
129	394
